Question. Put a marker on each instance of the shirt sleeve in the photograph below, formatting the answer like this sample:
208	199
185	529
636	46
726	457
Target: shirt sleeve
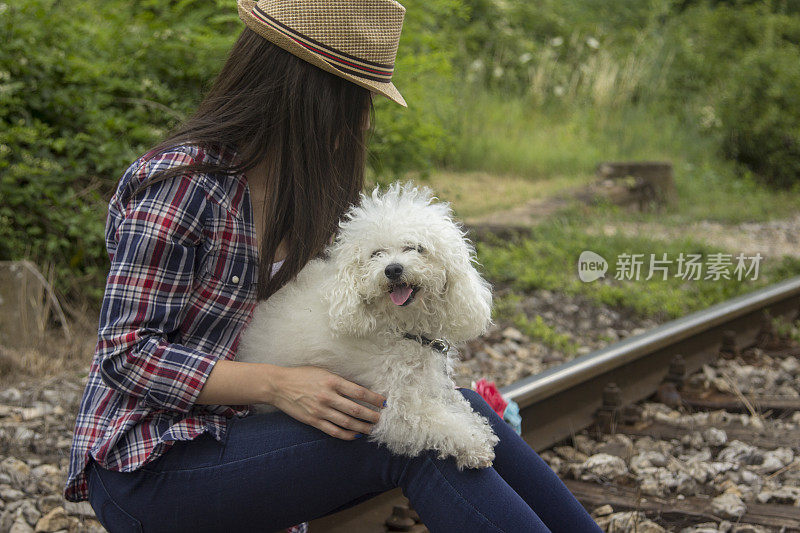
157	238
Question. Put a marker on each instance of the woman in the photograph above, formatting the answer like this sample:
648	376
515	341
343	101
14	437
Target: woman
223	213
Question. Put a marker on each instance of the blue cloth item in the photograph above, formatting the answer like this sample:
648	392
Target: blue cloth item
271	472
512	416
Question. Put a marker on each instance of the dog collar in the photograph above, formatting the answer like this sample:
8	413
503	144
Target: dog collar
438	345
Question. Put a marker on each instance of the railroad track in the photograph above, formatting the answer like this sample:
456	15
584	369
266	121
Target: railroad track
600	390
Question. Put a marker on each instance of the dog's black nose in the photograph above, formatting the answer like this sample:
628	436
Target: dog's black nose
393	271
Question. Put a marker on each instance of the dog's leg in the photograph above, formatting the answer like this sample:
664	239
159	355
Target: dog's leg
442	421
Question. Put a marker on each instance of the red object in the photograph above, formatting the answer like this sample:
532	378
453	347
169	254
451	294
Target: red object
489	391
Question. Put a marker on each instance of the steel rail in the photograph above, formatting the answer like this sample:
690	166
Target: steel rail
563	400
539	386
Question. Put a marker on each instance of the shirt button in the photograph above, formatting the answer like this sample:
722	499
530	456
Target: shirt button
235	279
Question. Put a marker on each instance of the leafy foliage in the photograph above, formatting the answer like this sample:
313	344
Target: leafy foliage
87	86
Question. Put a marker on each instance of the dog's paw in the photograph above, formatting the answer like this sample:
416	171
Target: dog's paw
480	453
481	457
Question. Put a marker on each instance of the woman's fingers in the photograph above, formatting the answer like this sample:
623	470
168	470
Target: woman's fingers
328	402
352	409
357	392
335	431
348	422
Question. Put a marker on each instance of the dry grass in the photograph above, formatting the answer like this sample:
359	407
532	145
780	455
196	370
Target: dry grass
474	194
52	355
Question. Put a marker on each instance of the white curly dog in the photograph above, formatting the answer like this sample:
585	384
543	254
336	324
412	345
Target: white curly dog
396	288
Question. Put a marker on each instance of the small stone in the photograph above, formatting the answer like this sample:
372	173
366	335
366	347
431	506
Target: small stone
603	510
28	511
686	485
20	526
648	460
728	505
494	354
651	487
8	494
748	528
693	440
81	509
706	527
11	395
17	470
513	334
53	521
583	444
47	503
715	437
618	445
784	495
630	522
24	434
92	526
648	444
570	454
32	413
791	365
735	452
775	460
46	471
755	422
604	467
700	471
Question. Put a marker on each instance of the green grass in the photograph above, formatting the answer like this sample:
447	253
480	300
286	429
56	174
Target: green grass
547	259
503	135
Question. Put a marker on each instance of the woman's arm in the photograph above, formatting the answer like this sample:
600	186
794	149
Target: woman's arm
153	241
309	394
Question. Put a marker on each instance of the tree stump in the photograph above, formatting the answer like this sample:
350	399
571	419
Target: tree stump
647	183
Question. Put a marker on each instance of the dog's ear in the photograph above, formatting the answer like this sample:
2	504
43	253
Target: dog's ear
468	297
346	310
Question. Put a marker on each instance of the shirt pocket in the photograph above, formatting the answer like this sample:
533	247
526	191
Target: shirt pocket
231	271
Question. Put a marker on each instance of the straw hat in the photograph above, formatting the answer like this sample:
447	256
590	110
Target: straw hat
354	39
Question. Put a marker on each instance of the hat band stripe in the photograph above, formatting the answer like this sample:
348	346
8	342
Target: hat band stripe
346	62
287	30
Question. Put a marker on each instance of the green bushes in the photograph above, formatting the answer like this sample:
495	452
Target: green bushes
739	66
760	114
88	86
531	88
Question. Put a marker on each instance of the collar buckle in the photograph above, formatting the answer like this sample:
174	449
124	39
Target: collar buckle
437	345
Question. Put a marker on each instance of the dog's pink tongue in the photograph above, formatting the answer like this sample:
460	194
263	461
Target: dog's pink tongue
399	295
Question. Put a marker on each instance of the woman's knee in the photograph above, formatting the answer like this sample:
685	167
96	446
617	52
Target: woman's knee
478	403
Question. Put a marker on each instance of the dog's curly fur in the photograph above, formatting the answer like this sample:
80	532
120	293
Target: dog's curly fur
338	314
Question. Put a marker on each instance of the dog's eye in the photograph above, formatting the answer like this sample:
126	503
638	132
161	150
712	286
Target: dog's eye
418	248
377	252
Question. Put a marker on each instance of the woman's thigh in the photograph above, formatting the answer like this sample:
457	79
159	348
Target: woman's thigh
271	470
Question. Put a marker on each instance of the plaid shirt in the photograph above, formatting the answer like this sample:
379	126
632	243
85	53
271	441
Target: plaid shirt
182	286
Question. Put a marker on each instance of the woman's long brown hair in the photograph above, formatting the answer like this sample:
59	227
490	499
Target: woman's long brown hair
306	123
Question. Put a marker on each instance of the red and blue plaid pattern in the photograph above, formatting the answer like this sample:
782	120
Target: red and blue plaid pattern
181	287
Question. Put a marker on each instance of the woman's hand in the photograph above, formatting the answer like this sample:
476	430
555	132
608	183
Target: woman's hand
324	400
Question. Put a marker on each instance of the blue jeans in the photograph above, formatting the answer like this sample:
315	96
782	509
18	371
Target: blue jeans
272	472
